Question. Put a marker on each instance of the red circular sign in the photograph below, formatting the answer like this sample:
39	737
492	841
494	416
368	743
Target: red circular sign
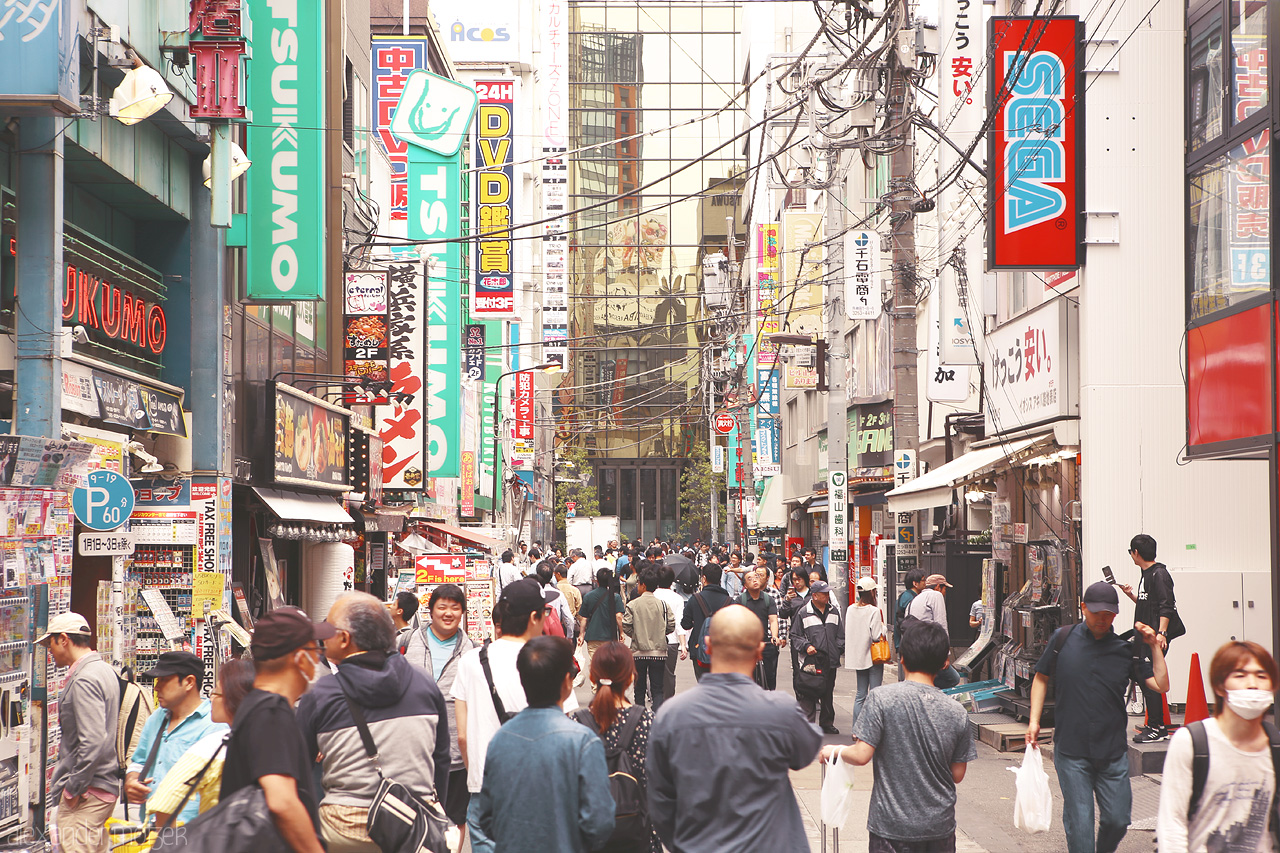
724	423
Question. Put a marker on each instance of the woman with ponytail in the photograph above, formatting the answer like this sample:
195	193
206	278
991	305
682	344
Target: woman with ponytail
610	715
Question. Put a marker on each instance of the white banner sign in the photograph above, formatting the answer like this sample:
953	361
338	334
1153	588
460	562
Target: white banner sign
717	459
863	299
838	516
945	383
1031	370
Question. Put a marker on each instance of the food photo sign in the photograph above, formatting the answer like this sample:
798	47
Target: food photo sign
311	441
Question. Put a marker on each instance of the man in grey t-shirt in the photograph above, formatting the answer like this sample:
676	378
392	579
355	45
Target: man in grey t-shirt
920	739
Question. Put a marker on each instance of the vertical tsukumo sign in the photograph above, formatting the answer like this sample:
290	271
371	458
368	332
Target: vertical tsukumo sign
433	117
1035	96
286	191
394	59
402	422
554	73
494	293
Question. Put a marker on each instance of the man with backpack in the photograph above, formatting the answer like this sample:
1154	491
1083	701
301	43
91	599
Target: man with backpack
1091	667
719	754
697	617
1220	774
86	780
546	784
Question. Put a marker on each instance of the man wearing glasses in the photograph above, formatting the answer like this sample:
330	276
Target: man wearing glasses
266	746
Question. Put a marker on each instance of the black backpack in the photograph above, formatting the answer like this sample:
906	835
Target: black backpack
631	828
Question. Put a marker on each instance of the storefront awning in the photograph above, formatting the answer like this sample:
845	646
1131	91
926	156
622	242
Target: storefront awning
300	506
463	533
384	520
872	497
935	488
772	511
817	505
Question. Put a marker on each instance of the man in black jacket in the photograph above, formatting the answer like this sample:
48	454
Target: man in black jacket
713	595
817	640
1153	605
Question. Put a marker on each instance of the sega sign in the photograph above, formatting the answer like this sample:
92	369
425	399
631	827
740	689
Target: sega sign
1036	101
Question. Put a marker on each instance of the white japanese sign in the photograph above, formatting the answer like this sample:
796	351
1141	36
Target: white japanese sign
838	516
945	383
1031	373
863	299
717	458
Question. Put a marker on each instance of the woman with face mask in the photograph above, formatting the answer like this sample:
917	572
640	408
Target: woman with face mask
1236	801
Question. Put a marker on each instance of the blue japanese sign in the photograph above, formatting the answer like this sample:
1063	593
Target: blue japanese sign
105	501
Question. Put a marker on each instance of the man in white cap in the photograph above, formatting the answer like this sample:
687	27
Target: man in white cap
86	780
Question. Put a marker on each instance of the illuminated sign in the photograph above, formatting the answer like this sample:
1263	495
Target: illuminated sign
112	311
1037	186
494	293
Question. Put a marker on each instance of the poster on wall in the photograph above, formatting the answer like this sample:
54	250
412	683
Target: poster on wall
310	441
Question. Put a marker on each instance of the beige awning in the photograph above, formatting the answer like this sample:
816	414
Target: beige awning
935	488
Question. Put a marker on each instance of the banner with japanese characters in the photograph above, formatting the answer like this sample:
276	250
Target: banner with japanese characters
394	58
1032	370
493	283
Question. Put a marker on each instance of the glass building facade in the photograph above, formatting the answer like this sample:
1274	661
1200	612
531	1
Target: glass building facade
646	211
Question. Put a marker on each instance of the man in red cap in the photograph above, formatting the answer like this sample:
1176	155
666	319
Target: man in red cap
266	746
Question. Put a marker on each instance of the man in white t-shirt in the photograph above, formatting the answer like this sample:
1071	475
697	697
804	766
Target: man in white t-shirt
508	571
519	615
580	572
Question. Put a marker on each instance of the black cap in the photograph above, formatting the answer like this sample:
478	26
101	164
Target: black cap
525	596
1101	597
284	630
180	664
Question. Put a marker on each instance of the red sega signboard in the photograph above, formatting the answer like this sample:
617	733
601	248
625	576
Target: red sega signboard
1035	97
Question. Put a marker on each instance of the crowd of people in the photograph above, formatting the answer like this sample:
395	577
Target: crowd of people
491	739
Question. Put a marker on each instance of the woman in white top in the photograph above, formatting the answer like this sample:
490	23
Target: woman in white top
1240	785
864	625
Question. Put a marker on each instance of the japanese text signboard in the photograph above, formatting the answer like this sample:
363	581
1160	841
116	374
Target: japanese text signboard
393	60
1036	99
286	191
862	292
1031	372
494	293
402	422
838	516
366	333
522	450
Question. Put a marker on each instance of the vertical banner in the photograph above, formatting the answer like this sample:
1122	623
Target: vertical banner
838	516
906	548
493	368
494	286
768	455
467	488
863	299
40	62
394	58
402	422
1035	95
432	117
803	271
366	336
475	352
946	383
285	195
522	448
553	67
768	247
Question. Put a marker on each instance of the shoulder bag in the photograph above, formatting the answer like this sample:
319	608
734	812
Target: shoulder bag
399	820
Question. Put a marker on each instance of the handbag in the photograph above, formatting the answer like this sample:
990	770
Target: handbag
399	820
1176	626
241	823
811	677
880	651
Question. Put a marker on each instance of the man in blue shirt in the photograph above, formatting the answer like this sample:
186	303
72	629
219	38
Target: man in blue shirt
541	750
184	717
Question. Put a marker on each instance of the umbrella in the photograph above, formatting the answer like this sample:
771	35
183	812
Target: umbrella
684	569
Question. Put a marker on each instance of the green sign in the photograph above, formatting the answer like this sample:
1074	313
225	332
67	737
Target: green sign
285	188
432	117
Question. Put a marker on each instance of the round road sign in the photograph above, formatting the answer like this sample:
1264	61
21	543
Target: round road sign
105	502
724	423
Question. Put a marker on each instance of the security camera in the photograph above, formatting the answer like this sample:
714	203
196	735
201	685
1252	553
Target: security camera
79	335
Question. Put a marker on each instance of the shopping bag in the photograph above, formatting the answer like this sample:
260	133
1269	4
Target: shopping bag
837	792
584	665
1033	806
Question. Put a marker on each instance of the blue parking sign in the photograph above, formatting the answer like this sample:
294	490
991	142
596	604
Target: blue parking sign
105	502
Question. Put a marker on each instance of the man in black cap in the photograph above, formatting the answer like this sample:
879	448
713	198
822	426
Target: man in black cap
266	746
817	644
183	718
491	669
1091	667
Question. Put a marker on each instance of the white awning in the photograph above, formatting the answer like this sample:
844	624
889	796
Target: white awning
300	506
772	511
935	488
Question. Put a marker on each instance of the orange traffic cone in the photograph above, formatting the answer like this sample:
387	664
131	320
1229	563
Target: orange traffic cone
1197	707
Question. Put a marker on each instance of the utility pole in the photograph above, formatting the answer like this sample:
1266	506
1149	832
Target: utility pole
837	406
902	194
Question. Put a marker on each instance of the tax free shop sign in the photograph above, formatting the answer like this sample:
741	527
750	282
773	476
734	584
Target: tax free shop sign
433	117
285	189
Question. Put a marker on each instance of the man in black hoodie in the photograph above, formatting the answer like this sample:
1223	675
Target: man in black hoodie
699	608
403	707
1153	605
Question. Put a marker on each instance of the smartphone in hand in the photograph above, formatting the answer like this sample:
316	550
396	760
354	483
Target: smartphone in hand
1107	574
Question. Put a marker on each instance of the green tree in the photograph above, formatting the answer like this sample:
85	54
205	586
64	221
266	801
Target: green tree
698	488
572	463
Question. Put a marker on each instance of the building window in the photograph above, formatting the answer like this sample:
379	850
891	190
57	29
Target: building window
791	424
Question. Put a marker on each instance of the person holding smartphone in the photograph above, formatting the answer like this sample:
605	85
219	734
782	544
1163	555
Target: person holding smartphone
1153	605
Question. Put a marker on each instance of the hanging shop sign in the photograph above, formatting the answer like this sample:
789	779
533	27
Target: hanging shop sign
366	336
838	516
871	441
40	61
285	191
1035	97
310	447
120	399
475	337
493	293
433	117
522	449
402	422
394	58
946	383
863	299
1032	371
467	487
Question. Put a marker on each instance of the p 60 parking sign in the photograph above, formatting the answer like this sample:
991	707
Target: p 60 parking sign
105	502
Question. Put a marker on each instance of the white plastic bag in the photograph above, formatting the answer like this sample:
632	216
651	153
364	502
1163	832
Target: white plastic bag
1033	807
584	665
837	792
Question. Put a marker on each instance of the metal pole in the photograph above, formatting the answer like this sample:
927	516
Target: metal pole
837	405
404	19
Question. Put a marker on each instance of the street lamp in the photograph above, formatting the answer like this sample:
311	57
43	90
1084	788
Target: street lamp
547	367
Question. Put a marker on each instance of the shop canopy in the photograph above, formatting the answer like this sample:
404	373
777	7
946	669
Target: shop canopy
491	545
934	488
772	511
300	506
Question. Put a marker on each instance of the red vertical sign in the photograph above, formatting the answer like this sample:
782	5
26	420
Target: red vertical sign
1036	149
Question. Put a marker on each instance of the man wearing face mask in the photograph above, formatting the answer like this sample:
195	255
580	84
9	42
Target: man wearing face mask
1239	782
266	746
1091	667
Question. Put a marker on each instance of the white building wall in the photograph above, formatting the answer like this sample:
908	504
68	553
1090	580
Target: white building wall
1208	518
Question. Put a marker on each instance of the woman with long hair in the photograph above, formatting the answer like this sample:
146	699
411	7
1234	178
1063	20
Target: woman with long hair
613	669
